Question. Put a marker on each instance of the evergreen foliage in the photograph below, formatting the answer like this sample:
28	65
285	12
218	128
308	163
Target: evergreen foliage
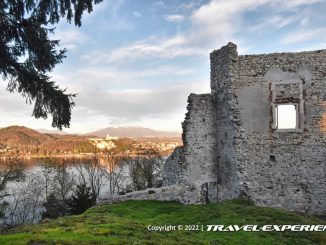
27	55
53	207
81	200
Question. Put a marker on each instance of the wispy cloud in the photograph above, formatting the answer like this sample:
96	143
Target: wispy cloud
190	4
147	49
210	26
174	18
70	37
296	3
129	64
304	35
115	75
135	104
275	22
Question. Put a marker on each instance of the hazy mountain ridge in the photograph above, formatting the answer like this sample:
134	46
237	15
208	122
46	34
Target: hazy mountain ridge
46	131
23	141
132	132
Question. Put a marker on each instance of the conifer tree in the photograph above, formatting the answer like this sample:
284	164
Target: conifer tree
27	55
53	207
81	200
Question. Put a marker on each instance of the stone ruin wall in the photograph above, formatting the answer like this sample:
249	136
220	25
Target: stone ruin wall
190	173
231	147
199	132
270	167
227	122
172	169
195	163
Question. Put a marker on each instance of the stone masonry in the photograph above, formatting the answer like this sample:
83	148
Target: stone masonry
233	146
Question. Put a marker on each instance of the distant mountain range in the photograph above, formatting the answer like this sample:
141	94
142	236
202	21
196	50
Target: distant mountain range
132	132
23	141
22	135
46	131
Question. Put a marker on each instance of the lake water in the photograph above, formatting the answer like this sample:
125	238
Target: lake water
26	197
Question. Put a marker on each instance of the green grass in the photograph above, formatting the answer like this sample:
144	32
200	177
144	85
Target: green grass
126	223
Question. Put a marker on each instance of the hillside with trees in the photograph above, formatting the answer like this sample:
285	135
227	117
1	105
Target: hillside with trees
22	141
18	141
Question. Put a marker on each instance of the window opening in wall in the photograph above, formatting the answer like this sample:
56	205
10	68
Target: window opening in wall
286	116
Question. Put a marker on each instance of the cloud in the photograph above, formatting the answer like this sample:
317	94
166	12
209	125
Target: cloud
304	21
88	77
100	107
110	16
137	14
190	5
15	111
296	3
147	49
113	74
70	38
136	104
211	25
174	18
13	103
143	80
223	20
275	22
304	35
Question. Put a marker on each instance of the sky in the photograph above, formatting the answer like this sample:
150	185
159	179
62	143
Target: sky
134	62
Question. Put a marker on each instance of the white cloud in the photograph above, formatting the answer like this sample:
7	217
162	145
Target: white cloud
295	3
211	25
174	18
191	5
88	77
136	104
304	35
312	47
221	20
70	38
304	21
110	16
275	22
147	49
114	75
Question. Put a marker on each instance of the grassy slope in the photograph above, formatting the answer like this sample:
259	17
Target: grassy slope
126	223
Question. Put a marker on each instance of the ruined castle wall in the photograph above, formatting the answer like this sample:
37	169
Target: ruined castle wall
179	193
199	145
172	169
227	119
278	168
232	144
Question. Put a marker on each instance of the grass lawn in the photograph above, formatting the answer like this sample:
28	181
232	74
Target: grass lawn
126	223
